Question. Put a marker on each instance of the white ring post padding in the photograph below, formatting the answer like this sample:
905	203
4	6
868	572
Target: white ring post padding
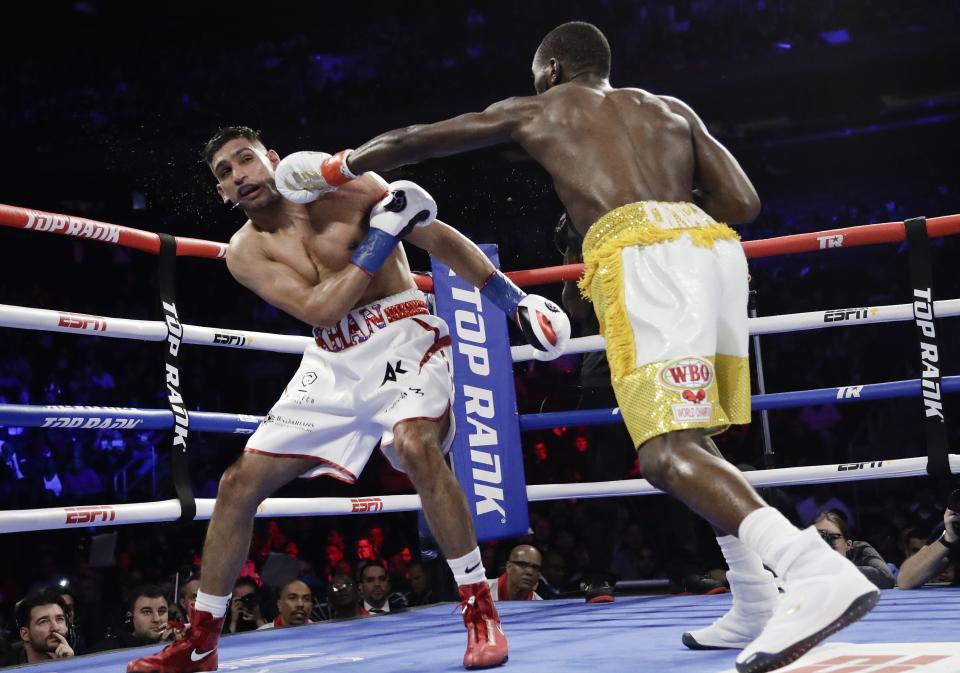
773	324
57	518
146	330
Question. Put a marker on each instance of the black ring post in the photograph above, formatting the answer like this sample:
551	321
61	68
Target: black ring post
181	427
921	276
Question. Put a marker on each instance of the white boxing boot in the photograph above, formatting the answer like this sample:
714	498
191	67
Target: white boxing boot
823	593
755	597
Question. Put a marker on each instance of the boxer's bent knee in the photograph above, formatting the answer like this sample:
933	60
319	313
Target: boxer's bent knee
666	458
418	445
252	478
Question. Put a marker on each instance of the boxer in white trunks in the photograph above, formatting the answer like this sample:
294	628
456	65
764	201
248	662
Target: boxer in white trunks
378	374
651	193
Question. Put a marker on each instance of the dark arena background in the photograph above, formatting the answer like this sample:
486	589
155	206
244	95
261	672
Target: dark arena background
842	112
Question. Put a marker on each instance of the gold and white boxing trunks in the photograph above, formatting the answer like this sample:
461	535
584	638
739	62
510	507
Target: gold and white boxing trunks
669	287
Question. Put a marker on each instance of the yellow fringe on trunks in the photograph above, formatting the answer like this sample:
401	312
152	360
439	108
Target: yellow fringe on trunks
641	223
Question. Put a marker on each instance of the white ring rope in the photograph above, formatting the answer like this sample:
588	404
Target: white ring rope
775	324
169	510
58	518
148	330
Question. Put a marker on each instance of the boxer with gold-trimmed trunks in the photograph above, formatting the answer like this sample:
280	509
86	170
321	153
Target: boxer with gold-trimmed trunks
669	287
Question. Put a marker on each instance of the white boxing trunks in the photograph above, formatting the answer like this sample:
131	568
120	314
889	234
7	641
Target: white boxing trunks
384	363
669	287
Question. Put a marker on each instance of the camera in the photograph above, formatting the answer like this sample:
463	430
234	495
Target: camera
249	602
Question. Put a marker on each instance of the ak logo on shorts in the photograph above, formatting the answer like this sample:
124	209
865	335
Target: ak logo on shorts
392	372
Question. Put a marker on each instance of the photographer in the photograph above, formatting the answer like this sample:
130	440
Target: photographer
835	532
942	548
245	614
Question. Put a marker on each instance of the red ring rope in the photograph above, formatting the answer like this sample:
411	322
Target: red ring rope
847	237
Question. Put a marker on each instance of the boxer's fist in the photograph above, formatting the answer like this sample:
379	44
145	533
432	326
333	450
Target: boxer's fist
299	177
545	326
406	205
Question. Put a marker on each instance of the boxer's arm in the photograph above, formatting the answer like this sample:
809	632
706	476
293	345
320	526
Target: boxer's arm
454	249
497	124
544	325
320	304
724	190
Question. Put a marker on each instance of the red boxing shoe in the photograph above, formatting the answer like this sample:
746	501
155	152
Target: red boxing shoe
486	642
194	653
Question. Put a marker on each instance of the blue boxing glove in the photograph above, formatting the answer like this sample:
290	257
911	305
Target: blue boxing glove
406	205
544	325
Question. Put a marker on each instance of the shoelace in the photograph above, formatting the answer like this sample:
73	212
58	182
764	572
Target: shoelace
470	602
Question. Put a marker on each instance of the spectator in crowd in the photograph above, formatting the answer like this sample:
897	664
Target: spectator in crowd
913	540
555	576
294	605
147	621
375	535
519	580
13	463
836	533
74	637
51	481
936	558
335	537
245	612
375	590
43	627
400	565
365	550
335	563
343	598
188	595
634	559
81	482
421	591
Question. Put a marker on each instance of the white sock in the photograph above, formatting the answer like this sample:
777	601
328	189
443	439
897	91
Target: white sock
468	569
767	532
215	605
739	558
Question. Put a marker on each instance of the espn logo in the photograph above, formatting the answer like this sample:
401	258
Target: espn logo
95	323
366	504
79	515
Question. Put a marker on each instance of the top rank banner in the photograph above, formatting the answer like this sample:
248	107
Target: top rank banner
487	457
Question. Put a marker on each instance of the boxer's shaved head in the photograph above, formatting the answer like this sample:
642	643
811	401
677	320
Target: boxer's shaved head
225	135
579	46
